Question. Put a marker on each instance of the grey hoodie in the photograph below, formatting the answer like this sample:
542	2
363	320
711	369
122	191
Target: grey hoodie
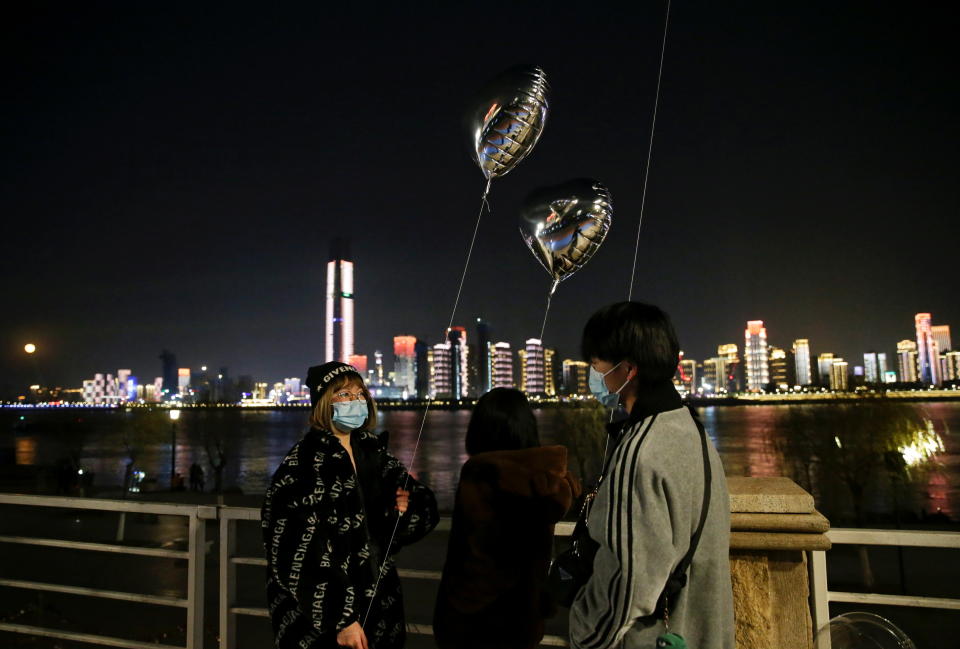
643	517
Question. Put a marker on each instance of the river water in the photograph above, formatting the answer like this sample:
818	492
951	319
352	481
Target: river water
256	440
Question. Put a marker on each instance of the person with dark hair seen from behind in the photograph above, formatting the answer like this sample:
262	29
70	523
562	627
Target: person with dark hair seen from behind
661	515
511	493
328	519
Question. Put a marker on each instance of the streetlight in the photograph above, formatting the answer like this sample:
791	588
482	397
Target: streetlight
174	416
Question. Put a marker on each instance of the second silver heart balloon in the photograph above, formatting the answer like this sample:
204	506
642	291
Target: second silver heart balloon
564	225
508	118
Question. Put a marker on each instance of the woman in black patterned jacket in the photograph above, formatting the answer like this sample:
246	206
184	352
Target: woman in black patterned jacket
327	520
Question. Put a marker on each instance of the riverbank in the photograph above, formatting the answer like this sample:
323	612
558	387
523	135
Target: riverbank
743	399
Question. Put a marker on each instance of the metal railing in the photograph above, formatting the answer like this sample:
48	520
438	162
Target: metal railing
821	596
192	600
229	560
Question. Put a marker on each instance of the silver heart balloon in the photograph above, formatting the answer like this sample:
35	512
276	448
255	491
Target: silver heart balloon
564	225
508	118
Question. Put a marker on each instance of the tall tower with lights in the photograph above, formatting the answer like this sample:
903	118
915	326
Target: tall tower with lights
928	353
338	337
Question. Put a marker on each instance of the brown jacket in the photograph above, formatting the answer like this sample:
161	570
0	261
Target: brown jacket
500	547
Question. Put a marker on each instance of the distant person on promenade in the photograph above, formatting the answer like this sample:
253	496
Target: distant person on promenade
196	477
645	516
327	521
511	493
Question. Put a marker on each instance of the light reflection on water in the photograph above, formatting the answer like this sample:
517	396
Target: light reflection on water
257	440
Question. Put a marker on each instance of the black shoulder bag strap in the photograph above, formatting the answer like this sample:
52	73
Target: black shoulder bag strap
678	578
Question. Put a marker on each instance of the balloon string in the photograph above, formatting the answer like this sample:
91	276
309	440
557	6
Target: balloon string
406	481
543	327
646	173
466	265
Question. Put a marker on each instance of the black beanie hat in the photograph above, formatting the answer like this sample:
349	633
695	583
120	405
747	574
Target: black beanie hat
319	377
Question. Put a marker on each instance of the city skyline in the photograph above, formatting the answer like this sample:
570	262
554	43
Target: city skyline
175	176
455	369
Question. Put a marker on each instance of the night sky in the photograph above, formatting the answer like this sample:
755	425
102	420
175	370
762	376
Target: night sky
173	174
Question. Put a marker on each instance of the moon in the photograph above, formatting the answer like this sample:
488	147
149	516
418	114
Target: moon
29	348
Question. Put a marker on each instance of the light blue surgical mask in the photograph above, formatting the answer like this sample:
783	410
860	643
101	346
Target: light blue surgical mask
599	387
349	415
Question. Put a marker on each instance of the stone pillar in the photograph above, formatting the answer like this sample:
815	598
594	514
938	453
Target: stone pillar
773	524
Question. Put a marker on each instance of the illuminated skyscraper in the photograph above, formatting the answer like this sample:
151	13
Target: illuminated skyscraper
575	377
824	363
755	356
484	357
732	368
907	361
549	376
531	367
183	380
339	307
928	353
405	363
941	333
713	379
801	359
359	361
502	372
778	368
378	377
685	378
838	375
953	366
459	362
875	367
439	361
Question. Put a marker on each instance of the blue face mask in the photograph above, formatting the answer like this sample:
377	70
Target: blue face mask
349	415
599	387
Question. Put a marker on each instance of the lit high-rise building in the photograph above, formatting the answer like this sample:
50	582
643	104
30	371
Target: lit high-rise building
423	372
778	367
549	376
502	376
839	381
928	353
755	356
531	367
459	362
685	378
439	361
907	361
941	333
576	377
732	368
338	341
713	380
953	366
183	380
484	357
801	360
824	363
359	361
405	363
378	377
874	367
292	386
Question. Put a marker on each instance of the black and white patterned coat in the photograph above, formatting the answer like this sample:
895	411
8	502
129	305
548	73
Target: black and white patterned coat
322	543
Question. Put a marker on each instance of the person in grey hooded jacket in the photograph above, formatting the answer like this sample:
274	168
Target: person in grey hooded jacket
649	502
